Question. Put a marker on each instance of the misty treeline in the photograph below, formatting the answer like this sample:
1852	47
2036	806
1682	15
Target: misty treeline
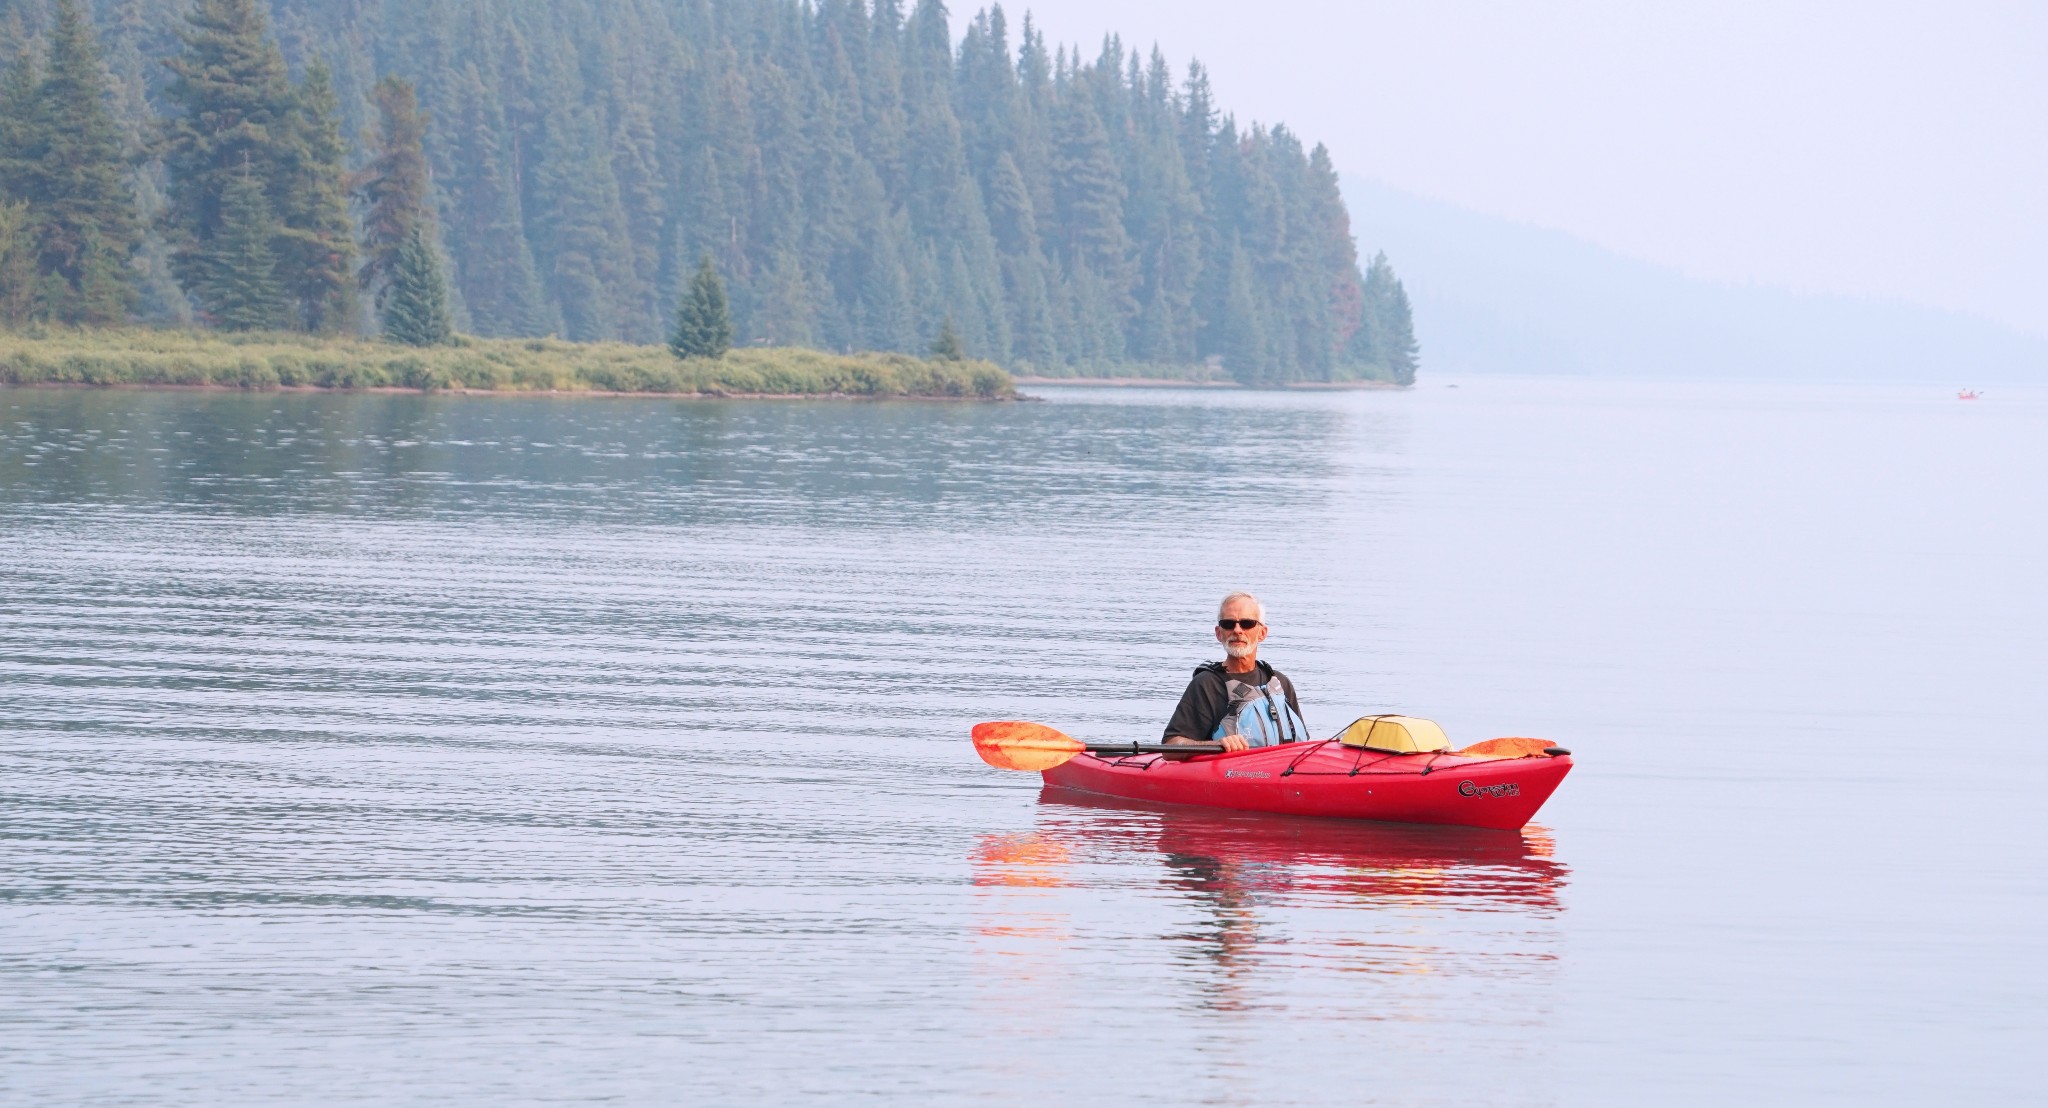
236	198
859	180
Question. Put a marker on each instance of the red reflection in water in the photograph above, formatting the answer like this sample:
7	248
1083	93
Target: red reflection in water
1267	891
1235	864
1233	853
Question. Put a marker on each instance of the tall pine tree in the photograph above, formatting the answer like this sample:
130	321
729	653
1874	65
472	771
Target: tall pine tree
61	156
416	303
232	104
238	283
1386	338
316	251
80	192
238	116
393	187
703	328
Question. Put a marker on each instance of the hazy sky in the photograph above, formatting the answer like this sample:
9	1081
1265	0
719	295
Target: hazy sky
1873	148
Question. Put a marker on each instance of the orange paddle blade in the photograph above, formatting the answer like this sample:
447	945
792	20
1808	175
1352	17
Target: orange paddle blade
1015	744
1506	748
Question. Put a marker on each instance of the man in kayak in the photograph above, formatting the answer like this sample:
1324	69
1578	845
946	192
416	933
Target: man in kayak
1240	701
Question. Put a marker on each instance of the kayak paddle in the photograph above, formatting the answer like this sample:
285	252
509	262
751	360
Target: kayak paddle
1033	747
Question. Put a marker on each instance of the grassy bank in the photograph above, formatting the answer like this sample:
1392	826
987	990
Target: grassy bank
59	356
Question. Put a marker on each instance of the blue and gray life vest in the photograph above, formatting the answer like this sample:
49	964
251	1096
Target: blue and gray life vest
1259	712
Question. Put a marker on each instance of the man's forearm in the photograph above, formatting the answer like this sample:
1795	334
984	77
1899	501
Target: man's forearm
1230	743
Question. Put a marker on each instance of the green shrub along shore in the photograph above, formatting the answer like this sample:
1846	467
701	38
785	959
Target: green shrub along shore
140	357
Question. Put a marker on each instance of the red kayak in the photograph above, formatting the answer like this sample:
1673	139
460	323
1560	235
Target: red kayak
1328	778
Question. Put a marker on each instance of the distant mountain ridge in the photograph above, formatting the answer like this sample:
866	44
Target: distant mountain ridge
1494	296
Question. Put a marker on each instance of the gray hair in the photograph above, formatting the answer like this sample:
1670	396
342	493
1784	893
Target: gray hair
1225	603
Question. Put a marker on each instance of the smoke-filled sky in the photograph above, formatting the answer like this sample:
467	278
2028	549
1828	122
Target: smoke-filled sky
1873	147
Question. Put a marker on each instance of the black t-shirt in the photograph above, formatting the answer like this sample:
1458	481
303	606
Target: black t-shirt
1207	700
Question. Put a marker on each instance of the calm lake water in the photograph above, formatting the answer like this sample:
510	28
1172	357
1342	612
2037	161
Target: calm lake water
487	750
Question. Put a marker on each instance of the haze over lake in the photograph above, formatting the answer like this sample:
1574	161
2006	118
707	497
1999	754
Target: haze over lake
418	749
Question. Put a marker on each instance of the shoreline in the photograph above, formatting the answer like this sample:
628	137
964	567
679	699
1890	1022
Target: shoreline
556	394
720	394
276	361
147	358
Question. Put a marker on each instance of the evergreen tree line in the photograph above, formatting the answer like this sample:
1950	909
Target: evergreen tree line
859	179
252	220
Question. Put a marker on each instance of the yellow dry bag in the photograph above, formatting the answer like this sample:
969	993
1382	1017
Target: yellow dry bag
1395	735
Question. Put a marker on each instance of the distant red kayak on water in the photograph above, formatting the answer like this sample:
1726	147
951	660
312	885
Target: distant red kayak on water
1496	784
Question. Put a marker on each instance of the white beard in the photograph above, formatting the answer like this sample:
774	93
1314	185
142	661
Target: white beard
1244	651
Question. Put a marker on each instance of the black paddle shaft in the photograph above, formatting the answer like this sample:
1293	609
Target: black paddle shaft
1155	748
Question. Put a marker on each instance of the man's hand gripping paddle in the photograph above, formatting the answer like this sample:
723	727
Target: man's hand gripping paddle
1034	747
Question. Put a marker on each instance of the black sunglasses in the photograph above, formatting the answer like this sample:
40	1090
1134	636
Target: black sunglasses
1240	624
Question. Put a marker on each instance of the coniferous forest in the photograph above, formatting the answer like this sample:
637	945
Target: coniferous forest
855	178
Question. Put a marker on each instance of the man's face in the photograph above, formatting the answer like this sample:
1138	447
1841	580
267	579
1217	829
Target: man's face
1238	640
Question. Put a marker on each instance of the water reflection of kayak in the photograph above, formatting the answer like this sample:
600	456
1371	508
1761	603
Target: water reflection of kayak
1320	858
1332	779
1267	893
